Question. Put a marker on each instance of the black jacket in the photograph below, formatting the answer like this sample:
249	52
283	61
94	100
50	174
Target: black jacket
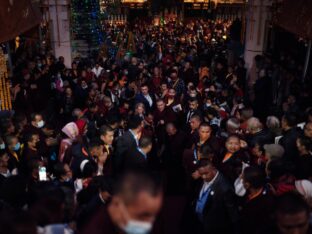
125	144
288	141
220	213
135	160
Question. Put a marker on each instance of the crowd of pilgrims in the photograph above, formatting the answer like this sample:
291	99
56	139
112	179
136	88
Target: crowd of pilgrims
167	137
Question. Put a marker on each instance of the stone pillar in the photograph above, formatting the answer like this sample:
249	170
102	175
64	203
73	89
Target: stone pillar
59	13
257	15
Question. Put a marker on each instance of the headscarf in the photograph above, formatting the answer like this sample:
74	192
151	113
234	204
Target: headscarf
71	130
81	125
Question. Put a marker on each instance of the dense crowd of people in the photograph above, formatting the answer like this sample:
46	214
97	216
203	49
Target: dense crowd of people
158	134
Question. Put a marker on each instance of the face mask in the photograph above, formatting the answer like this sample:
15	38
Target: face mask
2	146
17	147
137	227
40	124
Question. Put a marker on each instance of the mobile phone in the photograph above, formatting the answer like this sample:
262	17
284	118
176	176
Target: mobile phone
42	174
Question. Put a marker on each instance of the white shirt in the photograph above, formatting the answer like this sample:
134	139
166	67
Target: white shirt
97	71
149	99
207	185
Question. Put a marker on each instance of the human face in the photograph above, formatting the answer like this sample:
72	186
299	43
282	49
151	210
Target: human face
102	157
161	106
13	143
164	87
144	90
140	110
193	105
308	130
297	223
194	123
256	151
145	207
207	173
4	160
35	141
171	93
204	133
68	173
108	138
38	121
171	130
232	144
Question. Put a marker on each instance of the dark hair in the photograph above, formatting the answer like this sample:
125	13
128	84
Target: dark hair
198	117
306	142
105	129
204	124
291	119
254	176
205	162
291	203
193	99
131	184
134	121
9	138
112	119
95	142
59	170
89	169
145	142
206	152
29	137
33	116
211	111
2	152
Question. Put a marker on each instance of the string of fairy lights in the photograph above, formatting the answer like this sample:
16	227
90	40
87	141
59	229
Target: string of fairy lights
5	95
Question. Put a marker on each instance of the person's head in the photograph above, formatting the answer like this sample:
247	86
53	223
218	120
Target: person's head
207	170
253	178
136	203
205	152
195	121
12	143
77	113
174	75
289	120
304	145
144	89
135	122
37	120
204	132
171	129
292	214
193	104
107	102
96	147
273	151
232	144
4	159
32	140
160	105
107	134
308	130
146	144
139	109
257	150
171	93
232	125
272	122
246	113
71	130
62	172
163	87
254	125
88	168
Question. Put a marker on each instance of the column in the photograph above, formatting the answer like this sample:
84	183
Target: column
59	11
257	15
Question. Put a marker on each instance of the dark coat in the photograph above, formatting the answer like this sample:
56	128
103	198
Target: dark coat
220	213
135	160
126	143
141	99
288	141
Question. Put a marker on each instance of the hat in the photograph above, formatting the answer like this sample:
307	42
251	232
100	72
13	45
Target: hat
274	150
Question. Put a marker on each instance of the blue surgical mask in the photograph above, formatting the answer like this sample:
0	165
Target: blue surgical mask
2	146
17	147
138	227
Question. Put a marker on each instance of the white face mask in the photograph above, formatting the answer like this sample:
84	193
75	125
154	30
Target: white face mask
2	146
138	227
40	124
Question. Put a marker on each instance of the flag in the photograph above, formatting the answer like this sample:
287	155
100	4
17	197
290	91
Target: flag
16	17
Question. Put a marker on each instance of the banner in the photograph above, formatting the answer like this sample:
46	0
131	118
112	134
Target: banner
16	17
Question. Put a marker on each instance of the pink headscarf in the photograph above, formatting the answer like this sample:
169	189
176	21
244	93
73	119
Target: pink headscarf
71	130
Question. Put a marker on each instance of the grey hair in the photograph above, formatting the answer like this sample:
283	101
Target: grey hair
273	122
